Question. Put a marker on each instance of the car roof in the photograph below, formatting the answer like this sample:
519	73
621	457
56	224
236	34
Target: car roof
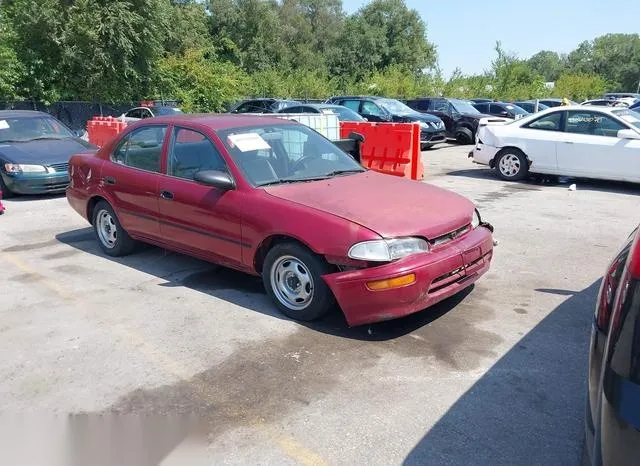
21	113
356	97
215	121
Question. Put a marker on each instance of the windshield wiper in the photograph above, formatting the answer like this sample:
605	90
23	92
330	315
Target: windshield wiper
46	137
344	172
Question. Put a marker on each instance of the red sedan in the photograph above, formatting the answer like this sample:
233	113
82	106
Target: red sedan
274	198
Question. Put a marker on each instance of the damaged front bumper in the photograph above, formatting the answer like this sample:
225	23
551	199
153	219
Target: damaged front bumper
425	279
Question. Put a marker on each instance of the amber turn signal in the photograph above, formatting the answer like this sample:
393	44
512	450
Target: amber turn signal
396	282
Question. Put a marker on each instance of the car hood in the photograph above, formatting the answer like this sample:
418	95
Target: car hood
388	205
43	151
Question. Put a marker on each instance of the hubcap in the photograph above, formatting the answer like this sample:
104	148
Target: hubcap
106	228
292	283
510	165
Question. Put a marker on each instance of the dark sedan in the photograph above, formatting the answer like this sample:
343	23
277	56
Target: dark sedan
380	109
530	106
502	109
613	408
34	152
343	113
265	105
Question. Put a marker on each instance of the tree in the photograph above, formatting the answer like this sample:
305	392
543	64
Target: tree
199	80
580	87
513	78
547	64
616	57
382	34
11	69
36	27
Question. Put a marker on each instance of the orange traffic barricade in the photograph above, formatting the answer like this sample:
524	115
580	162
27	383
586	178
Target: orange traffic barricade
102	129
391	148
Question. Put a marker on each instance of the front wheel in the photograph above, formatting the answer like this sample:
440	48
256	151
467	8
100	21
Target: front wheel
113	239
464	136
6	194
512	165
292	277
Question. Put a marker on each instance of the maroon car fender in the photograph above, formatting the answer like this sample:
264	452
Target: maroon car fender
323	233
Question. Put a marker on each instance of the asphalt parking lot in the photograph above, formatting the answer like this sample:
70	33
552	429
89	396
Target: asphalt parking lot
495	376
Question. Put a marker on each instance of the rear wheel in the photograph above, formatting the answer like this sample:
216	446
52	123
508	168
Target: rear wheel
113	239
292	277
512	165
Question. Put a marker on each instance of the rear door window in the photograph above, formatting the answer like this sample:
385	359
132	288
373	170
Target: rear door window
142	148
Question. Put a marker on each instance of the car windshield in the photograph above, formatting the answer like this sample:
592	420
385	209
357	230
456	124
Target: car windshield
630	116
165	110
285	153
516	110
24	129
344	113
463	106
394	106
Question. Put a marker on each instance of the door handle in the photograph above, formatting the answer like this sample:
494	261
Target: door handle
166	195
110	180
568	142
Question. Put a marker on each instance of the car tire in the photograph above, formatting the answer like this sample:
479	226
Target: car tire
464	136
512	165
292	277
112	238
6	192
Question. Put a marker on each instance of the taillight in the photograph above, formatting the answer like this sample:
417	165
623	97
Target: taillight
630	271
607	294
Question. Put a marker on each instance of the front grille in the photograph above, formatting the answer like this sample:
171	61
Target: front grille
450	236
60	167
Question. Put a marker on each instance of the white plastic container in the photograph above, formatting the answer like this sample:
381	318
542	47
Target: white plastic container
326	124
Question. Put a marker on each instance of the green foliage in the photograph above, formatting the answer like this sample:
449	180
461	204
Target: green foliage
200	81
207	53
580	87
11	69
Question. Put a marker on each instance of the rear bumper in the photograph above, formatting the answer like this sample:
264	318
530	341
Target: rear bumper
483	154
439	274
45	183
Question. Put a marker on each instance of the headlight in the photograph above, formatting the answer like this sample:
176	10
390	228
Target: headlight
423	124
386	250
475	220
18	168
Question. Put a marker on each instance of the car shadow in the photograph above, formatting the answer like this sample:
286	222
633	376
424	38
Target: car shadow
582	184
32	197
177	270
529	407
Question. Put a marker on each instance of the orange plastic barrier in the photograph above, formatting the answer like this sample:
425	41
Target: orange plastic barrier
102	129
391	148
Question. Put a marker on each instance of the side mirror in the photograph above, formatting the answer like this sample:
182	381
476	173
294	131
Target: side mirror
78	133
215	179
504	113
628	134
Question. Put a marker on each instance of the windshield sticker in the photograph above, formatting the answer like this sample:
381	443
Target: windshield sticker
248	142
4	124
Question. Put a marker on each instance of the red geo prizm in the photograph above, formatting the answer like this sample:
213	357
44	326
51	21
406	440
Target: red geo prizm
272	197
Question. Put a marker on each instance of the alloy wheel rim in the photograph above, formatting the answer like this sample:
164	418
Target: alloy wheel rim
510	165
292	283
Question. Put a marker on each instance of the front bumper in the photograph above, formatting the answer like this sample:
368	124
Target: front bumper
432	137
441	273
36	183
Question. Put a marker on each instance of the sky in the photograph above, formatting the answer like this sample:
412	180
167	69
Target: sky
465	32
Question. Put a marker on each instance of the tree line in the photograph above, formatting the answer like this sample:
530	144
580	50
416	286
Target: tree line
209	53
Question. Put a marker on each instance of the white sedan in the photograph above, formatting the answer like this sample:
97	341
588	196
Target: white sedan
588	142
139	113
